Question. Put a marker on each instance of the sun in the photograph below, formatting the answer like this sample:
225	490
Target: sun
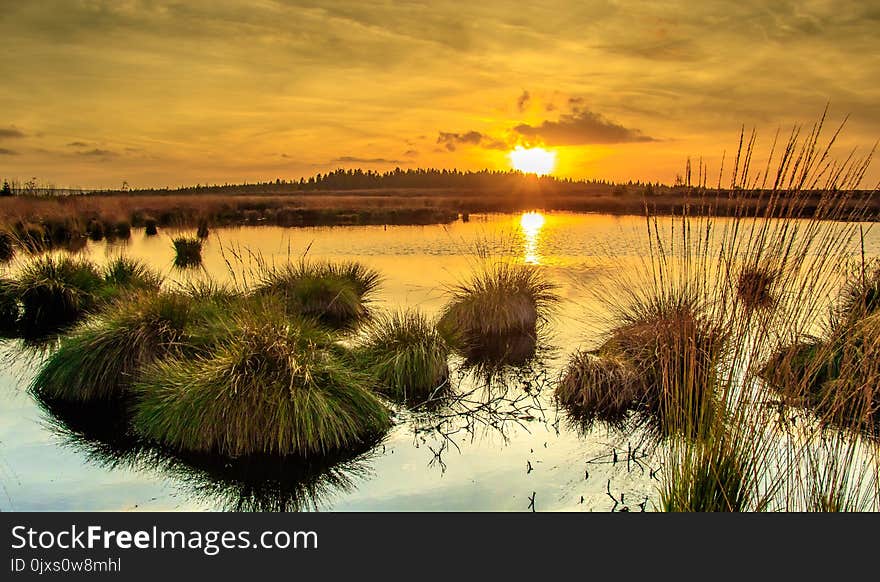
533	160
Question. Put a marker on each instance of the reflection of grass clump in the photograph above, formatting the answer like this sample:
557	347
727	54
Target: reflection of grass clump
336	294
495	314
406	354
187	252
271	386
104	356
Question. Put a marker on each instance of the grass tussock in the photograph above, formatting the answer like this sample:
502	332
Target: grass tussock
713	478
57	290
103	357
7	246
187	252
494	316
335	294
755	285
604	388
131	274
151	227
406	355
272	387
662	359
8	305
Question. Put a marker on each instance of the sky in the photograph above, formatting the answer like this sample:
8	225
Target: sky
94	93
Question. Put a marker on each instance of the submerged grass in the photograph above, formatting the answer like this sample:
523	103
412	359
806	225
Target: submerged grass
406	355
271	387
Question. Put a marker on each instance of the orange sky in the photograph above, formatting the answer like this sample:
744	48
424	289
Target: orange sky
155	93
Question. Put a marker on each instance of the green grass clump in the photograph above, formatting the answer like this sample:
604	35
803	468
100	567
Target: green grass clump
499	300
8	305
127	273
273	386
101	358
709	479
406	355
56	290
336	294
7	246
187	252
493	317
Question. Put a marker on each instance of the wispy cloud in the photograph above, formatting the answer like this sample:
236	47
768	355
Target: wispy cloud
359	160
7	152
11	132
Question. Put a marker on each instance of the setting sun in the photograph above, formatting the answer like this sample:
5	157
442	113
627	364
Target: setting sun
532	161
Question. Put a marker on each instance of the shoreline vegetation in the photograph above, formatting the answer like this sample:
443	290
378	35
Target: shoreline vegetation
49	217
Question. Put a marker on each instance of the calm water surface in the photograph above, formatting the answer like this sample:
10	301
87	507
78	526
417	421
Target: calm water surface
504	444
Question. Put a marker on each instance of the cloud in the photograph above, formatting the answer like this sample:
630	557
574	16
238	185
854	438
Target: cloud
411	153
98	153
523	101
355	159
451	141
77	144
11	132
581	127
6	152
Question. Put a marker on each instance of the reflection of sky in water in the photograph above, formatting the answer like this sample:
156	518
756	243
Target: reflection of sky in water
419	465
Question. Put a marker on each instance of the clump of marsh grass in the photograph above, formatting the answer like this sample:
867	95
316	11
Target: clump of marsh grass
56	290
406	355
597	387
127	273
8	305
336	294
202	231
495	314
713	478
187	252
151	227
7	246
105	355
754	286
273	386
662	359
123	229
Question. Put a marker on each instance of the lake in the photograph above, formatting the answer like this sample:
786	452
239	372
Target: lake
503	446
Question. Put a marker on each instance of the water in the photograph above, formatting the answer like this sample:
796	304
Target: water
505	446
